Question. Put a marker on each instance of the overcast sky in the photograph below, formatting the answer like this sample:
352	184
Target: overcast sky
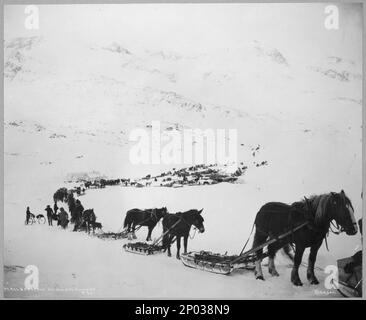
295	28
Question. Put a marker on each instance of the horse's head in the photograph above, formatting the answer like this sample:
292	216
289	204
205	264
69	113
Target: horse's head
160	213
198	221
343	212
163	212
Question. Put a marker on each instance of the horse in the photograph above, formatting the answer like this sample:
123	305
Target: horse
275	218
89	218
148	218
178	225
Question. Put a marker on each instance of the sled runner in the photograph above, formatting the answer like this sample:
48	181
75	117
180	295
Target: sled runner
223	264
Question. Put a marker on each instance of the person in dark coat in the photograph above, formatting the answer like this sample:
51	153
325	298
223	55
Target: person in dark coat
28	214
49	214
55	208
63	218
78	212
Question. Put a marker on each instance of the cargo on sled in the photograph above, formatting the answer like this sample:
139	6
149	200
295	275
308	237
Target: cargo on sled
146	248
350	276
215	262
142	248
113	235
224	264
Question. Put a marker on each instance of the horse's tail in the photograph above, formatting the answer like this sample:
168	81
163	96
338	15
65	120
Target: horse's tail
127	220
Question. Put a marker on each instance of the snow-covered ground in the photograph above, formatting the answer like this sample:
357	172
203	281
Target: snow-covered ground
72	101
76	261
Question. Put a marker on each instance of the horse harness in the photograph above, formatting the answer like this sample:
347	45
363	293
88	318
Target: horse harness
287	233
172	227
311	225
153	215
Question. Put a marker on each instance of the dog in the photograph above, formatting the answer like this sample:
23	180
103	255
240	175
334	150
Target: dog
97	225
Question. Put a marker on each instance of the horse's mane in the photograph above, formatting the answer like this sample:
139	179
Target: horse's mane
319	206
192	211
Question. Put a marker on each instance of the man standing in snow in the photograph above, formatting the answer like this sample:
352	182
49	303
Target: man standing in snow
55	208
27	215
63	218
78	212
49	214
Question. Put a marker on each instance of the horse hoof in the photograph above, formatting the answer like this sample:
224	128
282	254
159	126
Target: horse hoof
178	257
314	281
297	283
274	273
259	277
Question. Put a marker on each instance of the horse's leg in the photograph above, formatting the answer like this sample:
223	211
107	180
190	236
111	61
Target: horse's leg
312	257
133	231
149	233
271	256
169	252
178	247
185	239
295	279
258	240
287	251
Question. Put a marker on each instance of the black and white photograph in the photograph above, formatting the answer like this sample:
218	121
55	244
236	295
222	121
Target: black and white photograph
182	151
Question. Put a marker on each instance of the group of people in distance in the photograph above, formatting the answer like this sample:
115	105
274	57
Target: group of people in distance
57	214
62	217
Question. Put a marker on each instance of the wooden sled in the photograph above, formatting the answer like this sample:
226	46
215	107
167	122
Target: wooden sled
214	262
142	248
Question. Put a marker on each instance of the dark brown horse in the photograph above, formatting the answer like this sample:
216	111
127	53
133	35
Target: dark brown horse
148	218
275	218
178	225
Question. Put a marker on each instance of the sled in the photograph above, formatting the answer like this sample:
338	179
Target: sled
113	235
223	264
214	262
142	248
349	284
146	248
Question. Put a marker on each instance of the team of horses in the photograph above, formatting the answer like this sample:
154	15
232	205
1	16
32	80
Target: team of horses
316	213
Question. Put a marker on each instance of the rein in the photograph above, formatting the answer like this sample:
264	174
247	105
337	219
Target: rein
159	239
190	224
339	229
153	214
194	234
270	241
